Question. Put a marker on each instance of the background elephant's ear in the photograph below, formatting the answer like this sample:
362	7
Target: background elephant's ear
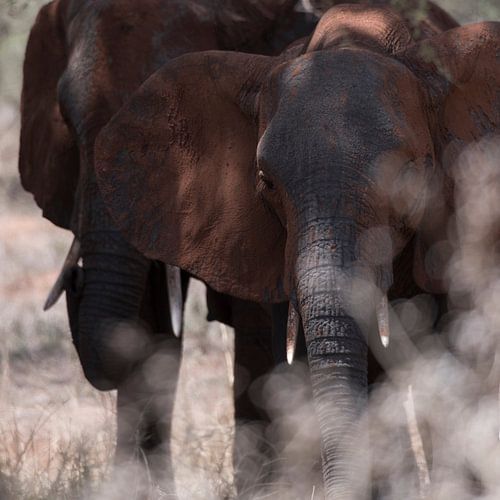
48	156
461	70
176	167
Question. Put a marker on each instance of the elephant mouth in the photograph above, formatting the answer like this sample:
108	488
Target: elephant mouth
107	290
173	277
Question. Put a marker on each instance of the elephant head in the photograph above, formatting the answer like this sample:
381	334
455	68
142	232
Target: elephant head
424	17
83	60
301	178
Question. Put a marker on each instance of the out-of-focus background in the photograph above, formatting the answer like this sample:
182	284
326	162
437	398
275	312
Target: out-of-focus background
56	432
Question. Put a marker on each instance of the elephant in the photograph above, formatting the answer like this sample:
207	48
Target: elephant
424	17
306	178
83	60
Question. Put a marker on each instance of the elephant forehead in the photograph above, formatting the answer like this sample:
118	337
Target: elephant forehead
347	106
321	124
351	68
347	81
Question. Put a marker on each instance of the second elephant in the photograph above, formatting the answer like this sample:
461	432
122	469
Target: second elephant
83	61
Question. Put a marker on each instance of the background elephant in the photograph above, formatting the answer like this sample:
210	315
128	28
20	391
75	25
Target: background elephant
423	17
307	179
83	60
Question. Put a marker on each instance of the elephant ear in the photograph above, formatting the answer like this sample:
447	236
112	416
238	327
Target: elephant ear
176	167
48	156
461	68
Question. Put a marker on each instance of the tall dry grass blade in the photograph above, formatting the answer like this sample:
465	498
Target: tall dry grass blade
417	446
227	354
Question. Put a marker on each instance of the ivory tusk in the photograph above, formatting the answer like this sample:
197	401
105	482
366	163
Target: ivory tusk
383	321
174	286
292	331
58	287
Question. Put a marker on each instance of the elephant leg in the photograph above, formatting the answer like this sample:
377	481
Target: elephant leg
252	451
146	398
144	417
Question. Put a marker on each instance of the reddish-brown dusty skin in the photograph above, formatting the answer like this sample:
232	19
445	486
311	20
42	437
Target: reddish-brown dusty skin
461	73
425	18
376	28
48	159
206	128
361	25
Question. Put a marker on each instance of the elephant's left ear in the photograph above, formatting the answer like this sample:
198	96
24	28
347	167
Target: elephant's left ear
176	168
461	70
48	154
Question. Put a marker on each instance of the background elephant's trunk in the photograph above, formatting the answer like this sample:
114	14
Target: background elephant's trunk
337	350
115	280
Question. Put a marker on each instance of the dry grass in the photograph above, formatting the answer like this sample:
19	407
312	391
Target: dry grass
56	432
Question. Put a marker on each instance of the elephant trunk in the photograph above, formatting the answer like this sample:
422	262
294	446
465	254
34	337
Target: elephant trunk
115	281
337	351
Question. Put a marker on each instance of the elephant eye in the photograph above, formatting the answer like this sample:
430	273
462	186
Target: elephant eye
265	180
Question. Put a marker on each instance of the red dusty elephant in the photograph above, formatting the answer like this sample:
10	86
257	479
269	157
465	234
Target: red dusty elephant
424	18
83	60
304	178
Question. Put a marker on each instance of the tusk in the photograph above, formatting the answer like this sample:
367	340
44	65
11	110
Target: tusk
174	287
292	331
58	287
383	321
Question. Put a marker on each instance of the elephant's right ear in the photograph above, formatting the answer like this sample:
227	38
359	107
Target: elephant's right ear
48	156
176	168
